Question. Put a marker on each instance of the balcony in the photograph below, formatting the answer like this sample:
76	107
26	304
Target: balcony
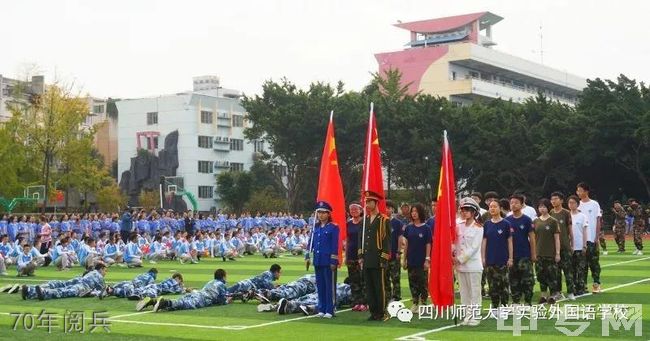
508	91
221	165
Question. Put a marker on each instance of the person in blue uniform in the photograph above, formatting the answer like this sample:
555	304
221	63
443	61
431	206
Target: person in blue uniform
325	248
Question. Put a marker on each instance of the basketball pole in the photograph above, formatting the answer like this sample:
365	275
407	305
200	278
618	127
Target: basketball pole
160	191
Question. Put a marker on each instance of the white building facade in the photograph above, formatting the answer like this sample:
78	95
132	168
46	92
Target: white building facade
210	122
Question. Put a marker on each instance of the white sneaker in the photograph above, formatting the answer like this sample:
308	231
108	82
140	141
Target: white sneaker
264	307
320	315
636	252
571	297
153	262
327	316
640	253
604	253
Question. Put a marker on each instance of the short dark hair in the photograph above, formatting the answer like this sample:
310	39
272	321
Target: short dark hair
558	194
477	194
518	196
544	202
219	274
153	270
574	198
275	268
491	195
178	276
505	204
100	266
584	186
389	203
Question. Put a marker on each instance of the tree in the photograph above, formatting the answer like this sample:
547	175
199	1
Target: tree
17	163
266	200
81	166
111	199
48	123
149	199
616	127
294	145
234	189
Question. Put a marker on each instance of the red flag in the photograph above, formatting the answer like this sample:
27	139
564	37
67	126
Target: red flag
330	187
441	277
373	179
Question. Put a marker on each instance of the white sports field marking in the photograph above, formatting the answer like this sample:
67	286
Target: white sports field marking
419	336
131	314
200	326
223	327
625	262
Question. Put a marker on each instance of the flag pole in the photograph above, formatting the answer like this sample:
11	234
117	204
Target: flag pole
311	242
366	175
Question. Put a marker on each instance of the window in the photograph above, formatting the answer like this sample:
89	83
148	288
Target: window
205	166
205	141
205	192
236	167
206	116
236	144
155	142
473	74
152	118
98	109
453	75
258	146
237	120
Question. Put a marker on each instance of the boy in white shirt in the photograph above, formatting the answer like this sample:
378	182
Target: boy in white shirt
591	209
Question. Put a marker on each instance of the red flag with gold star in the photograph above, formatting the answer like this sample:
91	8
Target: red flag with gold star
330	187
373	179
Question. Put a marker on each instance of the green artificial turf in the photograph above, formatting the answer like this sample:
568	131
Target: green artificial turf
241	321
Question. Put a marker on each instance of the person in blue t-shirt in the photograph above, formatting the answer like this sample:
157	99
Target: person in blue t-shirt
497	254
416	250
521	276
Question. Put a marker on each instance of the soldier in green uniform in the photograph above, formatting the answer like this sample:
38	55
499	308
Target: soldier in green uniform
619	226
374	254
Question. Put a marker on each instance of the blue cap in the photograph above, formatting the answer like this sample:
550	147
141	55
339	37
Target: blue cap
323	206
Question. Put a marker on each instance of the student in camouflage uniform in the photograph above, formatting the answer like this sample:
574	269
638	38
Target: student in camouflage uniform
393	288
374	254
127	288
93	280
300	287
619	225
146	294
563	217
416	248
354	226
578	259
245	289
489	197
521	276
547	238
639	226
212	293
497	254
308	304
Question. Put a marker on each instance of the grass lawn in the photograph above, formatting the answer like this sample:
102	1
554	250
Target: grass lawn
625	278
